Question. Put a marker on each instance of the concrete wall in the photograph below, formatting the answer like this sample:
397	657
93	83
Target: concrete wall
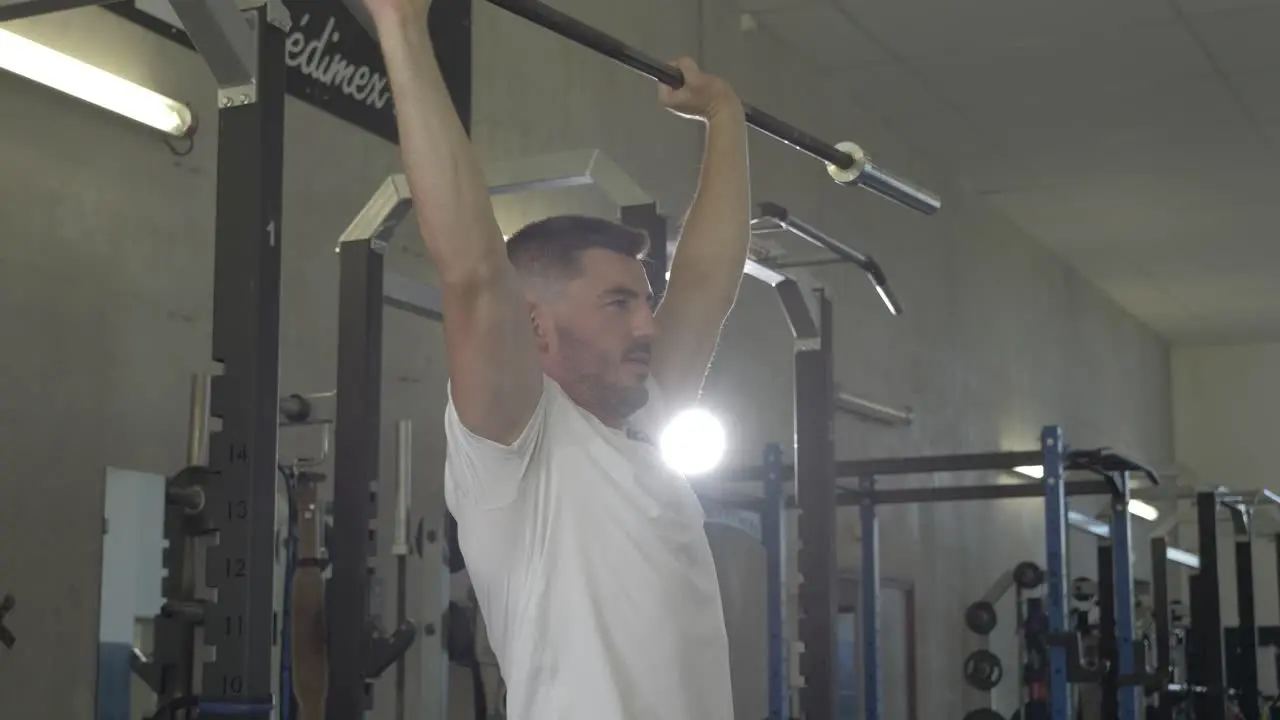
106	277
1225	400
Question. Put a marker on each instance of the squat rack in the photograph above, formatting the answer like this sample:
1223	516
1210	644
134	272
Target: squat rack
1212	674
244	45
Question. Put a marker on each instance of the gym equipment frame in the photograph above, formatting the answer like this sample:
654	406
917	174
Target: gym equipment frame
240	678
772	217
1213	675
1054	457
244	46
815	496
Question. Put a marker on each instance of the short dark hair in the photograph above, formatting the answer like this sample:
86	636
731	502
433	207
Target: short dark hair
551	248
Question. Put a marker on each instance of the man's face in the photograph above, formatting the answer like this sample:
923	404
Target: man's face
598	334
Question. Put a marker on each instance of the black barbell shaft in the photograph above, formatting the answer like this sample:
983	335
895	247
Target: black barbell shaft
858	170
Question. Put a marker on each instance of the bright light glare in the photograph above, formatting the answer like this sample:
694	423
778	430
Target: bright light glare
693	442
1137	508
91	84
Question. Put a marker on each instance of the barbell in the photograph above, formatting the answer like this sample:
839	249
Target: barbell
846	162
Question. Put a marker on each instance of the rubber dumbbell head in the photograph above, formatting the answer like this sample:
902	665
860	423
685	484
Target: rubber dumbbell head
980	617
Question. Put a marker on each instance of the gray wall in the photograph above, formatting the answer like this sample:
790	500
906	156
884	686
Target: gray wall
106	277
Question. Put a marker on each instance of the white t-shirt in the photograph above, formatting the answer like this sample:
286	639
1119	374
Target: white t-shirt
592	568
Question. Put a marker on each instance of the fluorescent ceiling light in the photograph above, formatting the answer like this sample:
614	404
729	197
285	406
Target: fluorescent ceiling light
1143	510
1137	508
94	85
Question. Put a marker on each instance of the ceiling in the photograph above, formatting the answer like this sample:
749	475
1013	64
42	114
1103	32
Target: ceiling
1139	140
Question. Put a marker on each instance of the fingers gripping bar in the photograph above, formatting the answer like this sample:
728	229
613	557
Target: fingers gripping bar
846	162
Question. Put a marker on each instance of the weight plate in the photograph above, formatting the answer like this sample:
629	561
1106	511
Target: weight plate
983	670
983	714
1028	575
980	617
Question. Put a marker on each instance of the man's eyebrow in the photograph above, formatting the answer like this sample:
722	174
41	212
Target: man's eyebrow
622	291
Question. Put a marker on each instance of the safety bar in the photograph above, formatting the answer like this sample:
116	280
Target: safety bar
772	216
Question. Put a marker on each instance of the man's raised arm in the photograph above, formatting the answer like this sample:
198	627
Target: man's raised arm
707	268
495	373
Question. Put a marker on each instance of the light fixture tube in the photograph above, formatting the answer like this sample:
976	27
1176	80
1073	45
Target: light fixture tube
93	85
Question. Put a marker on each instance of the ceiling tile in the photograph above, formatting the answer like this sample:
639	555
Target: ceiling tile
1260	93
1207	6
890	90
1121	125
1069	72
1241	40
967	151
1202	206
966	28
821	33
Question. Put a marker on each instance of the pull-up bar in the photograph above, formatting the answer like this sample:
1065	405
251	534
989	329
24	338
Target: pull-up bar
846	162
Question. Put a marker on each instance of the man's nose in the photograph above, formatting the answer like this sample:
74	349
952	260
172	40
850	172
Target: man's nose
645	326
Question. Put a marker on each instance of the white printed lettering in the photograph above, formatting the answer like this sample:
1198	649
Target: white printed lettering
313	55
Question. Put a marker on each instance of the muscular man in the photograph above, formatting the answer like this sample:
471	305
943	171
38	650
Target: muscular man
588	555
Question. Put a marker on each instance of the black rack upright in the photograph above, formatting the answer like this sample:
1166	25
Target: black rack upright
358	431
241	500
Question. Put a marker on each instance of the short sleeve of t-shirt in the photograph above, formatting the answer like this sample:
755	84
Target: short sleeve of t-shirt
485	473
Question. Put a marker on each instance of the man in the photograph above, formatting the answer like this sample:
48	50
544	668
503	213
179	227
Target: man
588	555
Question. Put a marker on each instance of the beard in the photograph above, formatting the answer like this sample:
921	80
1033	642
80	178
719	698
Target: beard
593	373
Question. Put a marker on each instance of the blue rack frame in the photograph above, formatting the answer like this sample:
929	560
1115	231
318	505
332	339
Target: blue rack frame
1111	477
1055	460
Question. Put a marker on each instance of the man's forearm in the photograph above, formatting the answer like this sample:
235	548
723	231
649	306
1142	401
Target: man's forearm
717	231
450	195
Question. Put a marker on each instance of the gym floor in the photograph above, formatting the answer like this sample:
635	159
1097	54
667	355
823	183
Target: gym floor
1086	158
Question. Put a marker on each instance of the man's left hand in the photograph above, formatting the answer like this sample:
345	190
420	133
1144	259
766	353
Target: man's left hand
702	96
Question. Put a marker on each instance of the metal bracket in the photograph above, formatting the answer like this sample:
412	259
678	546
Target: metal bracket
277	13
226	38
380	217
385	650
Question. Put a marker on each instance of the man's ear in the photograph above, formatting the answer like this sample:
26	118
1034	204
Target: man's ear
539	327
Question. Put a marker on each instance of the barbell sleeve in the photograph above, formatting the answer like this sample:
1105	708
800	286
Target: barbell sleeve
846	167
